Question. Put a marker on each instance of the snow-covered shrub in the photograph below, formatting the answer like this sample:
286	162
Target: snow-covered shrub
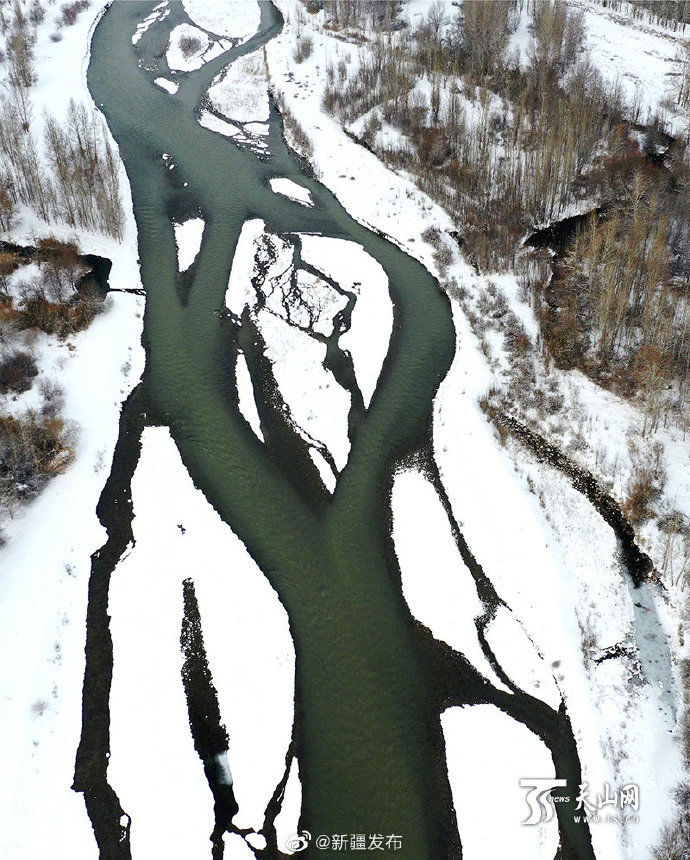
36	12
190	45
70	12
17	371
32	450
674	843
303	49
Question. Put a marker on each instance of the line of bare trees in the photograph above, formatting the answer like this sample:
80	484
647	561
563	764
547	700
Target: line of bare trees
72	178
71	175
674	14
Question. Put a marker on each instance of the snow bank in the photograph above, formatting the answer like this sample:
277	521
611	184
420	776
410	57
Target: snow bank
488	754
153	766
207	50
291	189
319	406
518	658
245	392
287	820
437	586
240	291
234	19
372	318
188	236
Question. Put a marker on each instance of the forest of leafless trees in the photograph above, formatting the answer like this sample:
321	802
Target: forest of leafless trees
65	172
70	173
509	143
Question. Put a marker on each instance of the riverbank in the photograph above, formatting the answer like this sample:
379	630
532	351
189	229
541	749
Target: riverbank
562	580
45	561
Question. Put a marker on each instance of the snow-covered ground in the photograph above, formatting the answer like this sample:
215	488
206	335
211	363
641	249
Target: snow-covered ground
642	57
234	19
191	47
45	563
291	189
153	766
188	236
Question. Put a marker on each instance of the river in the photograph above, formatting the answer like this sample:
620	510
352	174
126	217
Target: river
370	681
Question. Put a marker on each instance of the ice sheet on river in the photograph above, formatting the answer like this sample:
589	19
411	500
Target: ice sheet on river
188	237
291	189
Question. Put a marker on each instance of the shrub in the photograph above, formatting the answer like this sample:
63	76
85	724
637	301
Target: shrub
32	450
50	247
9	262
303	49
36	12
59	319
17	372
70	12
642	491
190	45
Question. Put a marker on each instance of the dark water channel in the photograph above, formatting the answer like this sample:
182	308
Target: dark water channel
369	684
